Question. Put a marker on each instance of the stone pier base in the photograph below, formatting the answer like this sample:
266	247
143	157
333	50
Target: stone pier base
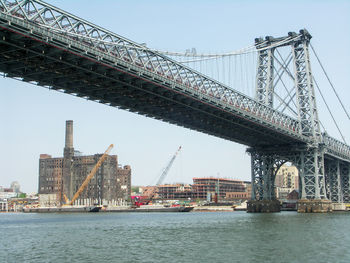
338	206
263	206
314	206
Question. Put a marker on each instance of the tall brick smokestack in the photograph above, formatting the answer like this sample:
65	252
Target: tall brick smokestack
68	155
69	134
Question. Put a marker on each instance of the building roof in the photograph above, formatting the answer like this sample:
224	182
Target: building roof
217	179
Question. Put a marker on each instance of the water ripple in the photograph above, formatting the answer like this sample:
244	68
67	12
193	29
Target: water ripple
175	237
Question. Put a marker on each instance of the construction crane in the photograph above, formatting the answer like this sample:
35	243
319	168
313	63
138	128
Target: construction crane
166	170
89	177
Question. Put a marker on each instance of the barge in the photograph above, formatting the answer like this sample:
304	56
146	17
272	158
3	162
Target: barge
148	208
84	209
63	209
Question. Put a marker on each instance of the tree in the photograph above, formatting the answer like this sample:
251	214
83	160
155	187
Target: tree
22	195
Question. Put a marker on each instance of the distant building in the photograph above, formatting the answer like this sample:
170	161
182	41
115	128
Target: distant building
283	192
7	193
227	189
63	176
16	187
221	186
287	180
175	191
287	176
3	205
149	191
294	195
248	189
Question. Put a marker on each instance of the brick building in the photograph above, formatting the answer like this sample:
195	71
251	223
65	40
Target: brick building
228	189
204	186
63	176
175	191
150	192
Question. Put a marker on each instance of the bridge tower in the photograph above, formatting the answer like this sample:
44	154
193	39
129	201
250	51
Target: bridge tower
309	157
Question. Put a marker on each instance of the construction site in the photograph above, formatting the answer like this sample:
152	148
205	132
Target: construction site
79	180
208	189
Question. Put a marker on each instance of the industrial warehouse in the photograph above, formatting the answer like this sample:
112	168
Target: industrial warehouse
61	179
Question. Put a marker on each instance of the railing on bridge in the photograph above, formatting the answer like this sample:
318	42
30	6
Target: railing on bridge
336	148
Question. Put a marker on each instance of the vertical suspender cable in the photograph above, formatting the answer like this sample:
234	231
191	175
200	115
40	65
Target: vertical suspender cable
229	72
224	70
246	70
218	68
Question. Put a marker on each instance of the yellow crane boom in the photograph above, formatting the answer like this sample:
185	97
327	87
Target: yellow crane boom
91	174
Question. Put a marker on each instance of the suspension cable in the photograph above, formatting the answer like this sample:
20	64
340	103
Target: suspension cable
324	71
329	110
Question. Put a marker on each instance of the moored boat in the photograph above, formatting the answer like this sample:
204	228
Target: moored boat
63	209
149	208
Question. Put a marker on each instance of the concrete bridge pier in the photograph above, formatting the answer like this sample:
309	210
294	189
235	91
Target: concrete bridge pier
339	206
263	206
314	206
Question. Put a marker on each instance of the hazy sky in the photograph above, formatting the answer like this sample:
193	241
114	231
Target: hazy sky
33	118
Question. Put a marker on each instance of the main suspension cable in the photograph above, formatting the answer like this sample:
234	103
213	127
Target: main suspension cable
329	110
324	71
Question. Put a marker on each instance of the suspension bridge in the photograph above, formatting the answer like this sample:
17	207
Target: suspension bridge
46	46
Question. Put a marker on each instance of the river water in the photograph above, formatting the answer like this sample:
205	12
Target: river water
175	237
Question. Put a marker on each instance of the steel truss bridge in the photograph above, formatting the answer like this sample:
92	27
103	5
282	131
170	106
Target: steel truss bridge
49	47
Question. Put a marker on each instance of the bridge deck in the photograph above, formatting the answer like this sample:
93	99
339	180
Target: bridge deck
58	62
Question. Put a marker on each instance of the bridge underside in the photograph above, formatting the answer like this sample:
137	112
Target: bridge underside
31	59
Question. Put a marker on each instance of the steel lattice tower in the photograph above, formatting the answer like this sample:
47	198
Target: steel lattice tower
309	158
321	176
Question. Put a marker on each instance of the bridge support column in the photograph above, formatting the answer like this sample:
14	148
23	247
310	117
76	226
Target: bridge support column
311	171
345	181
263	170
337	183
334	189
313	186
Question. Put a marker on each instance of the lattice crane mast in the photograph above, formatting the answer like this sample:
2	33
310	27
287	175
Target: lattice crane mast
89	177
167	168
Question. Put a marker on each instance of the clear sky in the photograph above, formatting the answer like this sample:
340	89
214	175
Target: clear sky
33	118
